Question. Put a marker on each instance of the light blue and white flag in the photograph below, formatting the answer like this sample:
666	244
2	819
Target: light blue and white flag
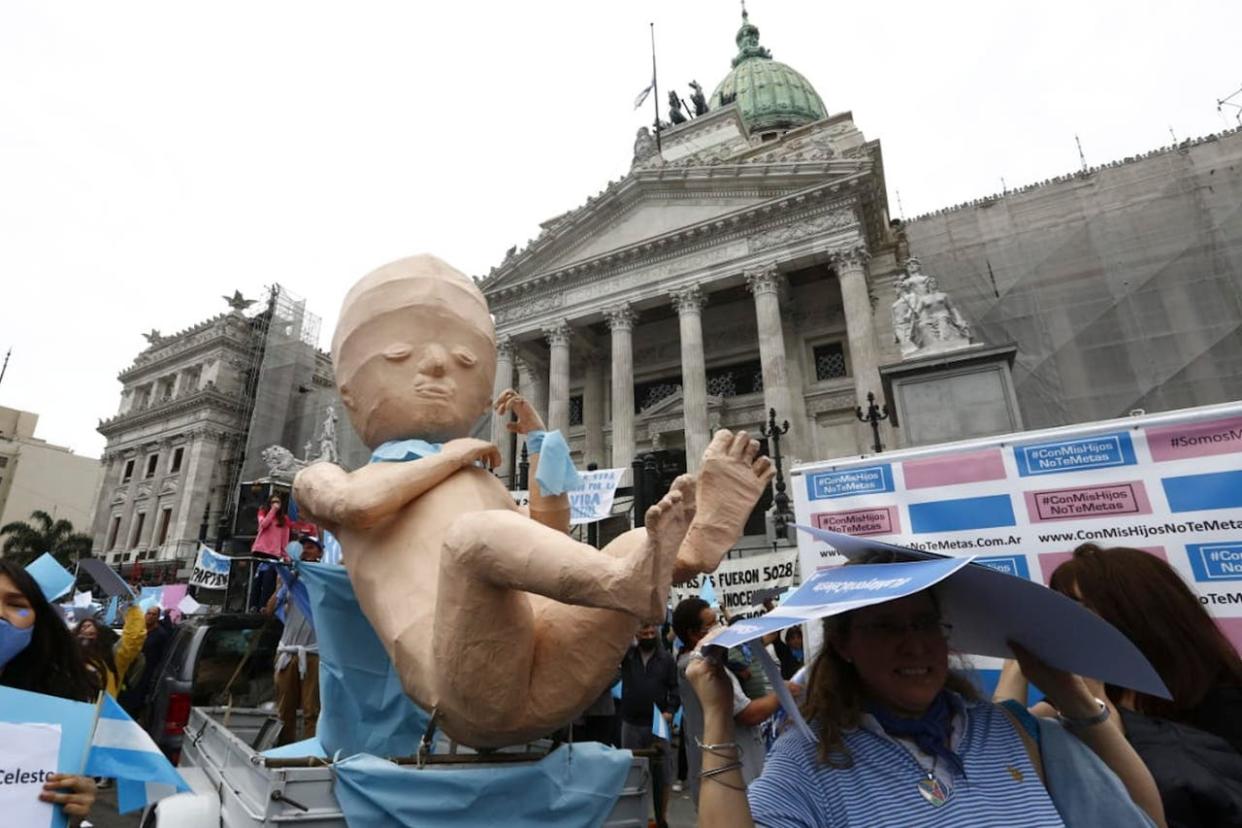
708	592
659	726
331	549
110	615
52	578
122	750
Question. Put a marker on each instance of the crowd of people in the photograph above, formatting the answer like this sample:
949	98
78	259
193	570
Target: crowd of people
41	652
902	736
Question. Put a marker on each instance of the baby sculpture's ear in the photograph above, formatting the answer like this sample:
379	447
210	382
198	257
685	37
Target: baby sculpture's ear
347	397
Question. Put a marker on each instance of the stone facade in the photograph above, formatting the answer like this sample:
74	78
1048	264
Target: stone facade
729	274
37	475
179	428
1121	285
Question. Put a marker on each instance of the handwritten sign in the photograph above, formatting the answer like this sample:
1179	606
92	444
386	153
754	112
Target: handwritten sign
211	570
593	500
28	755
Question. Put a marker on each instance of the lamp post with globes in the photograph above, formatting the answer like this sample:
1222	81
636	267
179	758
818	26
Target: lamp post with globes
782	515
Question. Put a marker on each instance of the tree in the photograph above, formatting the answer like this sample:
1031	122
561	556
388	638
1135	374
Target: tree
26	540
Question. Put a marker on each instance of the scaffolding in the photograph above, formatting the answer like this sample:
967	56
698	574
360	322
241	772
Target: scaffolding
280	404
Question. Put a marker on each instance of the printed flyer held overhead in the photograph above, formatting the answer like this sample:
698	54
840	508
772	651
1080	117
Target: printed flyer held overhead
1170	484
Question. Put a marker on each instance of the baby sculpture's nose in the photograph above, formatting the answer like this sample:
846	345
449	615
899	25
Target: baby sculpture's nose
433	360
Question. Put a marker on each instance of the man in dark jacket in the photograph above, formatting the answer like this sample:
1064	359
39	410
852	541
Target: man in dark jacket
135	697
648	682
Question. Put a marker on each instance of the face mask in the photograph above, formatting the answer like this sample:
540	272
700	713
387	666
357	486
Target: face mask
13	640
647	644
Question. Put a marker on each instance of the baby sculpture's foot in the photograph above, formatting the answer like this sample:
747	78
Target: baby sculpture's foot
731	480
666	524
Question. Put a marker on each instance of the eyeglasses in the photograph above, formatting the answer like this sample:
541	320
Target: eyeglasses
926	625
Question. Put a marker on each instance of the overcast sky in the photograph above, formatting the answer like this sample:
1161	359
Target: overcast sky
156	155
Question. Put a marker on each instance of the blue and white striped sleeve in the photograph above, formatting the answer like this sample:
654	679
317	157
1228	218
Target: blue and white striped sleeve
780	797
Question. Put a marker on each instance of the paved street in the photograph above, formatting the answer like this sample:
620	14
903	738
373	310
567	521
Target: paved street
104	814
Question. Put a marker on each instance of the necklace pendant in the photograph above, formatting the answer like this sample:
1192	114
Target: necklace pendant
933	791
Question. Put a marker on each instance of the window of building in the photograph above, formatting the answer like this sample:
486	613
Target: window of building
735	380
128	472
136	538
647	394
153	461
164	389
161	532
830	361
113	531
142	397
190	379
575	410
174	465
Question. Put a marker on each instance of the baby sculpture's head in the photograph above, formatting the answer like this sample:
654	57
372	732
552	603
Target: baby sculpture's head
414	352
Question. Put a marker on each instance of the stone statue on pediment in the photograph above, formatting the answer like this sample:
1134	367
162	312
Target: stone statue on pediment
674	108
644	145
698	99
327	438
925	319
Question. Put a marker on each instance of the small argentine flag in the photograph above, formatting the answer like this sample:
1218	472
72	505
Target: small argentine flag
122	750
331	549
658	725
708	592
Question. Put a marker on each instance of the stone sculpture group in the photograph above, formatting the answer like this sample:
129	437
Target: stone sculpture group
925	320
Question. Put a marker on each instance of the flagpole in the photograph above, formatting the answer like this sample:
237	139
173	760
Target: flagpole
655	91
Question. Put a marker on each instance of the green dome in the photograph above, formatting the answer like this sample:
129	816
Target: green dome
769	94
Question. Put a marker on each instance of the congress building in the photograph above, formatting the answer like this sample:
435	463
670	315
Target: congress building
750	261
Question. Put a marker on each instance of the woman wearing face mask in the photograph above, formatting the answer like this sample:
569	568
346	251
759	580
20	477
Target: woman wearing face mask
902	740
109	655
38	654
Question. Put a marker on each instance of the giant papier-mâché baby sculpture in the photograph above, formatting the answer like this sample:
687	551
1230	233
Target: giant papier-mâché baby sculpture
493	617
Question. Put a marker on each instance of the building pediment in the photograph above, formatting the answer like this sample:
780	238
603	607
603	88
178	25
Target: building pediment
653	211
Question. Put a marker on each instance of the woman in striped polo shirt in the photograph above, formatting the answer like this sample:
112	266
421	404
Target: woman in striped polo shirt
904	741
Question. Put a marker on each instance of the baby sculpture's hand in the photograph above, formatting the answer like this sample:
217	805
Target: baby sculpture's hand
467	450
528	418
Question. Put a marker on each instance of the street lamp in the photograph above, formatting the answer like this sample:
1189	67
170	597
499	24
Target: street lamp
782	515
875	414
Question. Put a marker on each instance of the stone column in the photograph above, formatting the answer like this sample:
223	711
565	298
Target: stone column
851	266
504	381
689	304
593	412
765	284
531	384
557	335
621	322
194	490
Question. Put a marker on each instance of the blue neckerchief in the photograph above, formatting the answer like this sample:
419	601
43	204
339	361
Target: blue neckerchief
930	731
556	473
399	451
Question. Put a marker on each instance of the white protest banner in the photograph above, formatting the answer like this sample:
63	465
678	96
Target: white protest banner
593	500
737	580
1169	484
28	755
211	570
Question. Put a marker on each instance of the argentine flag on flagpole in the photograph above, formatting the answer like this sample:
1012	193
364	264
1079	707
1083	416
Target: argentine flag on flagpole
122	750
658	725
